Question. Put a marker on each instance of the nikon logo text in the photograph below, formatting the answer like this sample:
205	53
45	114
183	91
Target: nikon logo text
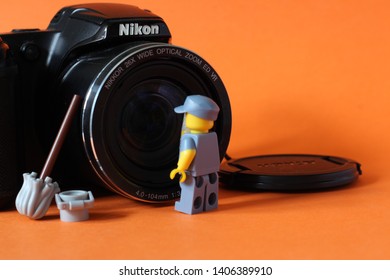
133	29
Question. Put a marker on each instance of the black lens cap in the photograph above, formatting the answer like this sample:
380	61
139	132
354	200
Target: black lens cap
289	172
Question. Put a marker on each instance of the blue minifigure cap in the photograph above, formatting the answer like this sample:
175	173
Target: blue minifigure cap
199	106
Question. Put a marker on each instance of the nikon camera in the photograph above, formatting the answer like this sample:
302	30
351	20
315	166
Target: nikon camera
125	137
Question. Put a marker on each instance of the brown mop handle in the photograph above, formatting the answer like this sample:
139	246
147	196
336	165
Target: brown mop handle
55	149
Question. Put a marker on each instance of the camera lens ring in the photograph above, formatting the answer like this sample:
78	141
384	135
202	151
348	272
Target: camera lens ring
116	72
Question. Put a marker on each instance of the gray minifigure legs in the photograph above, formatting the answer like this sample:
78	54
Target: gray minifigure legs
211	192
198	194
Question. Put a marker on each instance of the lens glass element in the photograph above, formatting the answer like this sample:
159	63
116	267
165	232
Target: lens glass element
148	124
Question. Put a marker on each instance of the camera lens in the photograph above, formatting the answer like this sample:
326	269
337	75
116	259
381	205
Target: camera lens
147	124
130	133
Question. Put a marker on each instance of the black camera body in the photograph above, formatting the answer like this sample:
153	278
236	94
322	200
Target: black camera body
126	135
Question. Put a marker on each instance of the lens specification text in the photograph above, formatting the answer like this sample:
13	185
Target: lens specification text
207	272
152	196
149	53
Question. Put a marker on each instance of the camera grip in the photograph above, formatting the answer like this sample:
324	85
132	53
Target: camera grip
9	177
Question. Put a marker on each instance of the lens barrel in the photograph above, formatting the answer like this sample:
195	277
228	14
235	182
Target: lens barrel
128	129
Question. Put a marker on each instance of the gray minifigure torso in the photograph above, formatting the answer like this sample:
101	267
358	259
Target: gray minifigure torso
207	159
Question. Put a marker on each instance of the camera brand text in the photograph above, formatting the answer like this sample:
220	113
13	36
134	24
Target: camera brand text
114	76
135	29
287	163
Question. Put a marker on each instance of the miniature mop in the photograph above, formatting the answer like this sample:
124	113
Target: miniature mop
36	194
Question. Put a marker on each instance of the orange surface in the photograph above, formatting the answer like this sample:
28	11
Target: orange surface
303	77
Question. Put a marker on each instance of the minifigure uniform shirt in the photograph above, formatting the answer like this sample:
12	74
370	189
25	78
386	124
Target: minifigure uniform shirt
206	159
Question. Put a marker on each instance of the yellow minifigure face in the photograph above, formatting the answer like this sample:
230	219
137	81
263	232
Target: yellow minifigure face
196	124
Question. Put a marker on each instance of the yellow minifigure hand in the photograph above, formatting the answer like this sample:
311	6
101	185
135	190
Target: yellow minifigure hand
183	176
183	164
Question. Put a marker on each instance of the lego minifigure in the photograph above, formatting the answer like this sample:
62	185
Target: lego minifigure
199	159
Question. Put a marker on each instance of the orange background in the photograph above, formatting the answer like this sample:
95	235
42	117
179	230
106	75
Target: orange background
303	77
